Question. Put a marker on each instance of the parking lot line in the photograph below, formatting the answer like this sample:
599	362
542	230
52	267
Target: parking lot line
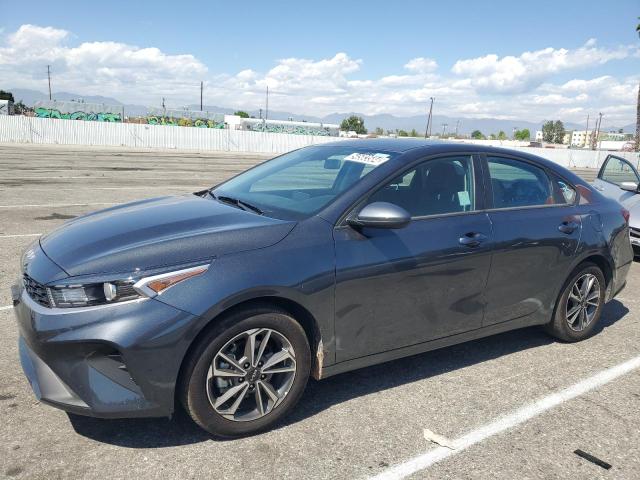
53	205
196	175
75	189
507	422
21	235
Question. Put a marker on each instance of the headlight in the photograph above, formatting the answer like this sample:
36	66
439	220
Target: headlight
115	291
66	296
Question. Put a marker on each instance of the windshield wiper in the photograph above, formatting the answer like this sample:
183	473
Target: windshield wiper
238	203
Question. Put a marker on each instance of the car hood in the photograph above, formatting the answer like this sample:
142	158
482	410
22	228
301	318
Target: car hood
158	232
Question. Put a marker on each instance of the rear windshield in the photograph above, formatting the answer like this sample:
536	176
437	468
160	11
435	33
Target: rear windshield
300	183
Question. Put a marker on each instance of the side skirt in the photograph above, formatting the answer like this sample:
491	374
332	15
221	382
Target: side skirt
361	362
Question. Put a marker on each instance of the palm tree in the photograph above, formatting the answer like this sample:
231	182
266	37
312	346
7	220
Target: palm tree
638	106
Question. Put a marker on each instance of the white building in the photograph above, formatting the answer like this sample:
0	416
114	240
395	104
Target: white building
235	122
6	107
581	138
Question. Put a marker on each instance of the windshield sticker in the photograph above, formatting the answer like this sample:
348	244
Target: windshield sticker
374	159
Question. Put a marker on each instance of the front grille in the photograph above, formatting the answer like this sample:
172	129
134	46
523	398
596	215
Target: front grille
634	233
36	291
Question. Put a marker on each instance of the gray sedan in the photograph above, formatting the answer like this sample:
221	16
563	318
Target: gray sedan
320	261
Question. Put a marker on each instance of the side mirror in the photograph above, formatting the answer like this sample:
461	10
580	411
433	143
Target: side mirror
381	215
629	186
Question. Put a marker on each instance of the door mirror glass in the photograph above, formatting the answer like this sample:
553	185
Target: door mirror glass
381	215
629	186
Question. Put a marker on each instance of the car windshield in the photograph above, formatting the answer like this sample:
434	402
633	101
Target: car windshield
300	183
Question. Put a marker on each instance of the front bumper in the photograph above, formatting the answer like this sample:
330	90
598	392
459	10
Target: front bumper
113	361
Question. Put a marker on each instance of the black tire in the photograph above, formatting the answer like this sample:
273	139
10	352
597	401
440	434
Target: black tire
193	392
559	327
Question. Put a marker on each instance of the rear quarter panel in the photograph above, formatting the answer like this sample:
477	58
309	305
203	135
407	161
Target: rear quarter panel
606	234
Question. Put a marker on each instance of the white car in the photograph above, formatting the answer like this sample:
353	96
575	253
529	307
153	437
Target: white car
618	178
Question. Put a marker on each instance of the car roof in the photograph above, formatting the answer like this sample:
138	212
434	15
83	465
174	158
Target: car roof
403	145
397	145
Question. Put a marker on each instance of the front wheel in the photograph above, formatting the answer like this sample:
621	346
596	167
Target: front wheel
579	306
246	374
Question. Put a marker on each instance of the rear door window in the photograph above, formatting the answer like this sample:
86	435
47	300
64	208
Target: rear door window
568	194
518	184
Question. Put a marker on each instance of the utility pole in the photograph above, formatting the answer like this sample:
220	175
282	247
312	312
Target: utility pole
260	114
266	110
444	128
163	103
586	134
49	78
457	125
599	127
427	132
513	133
596	133
201	89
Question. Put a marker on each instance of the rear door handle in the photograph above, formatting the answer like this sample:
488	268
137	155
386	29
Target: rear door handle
568	227
472	239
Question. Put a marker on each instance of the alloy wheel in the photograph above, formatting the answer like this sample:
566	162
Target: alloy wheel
251	374
583	302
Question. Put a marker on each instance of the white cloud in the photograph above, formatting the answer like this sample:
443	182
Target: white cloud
94	67
31	41
556	99
524	86
421	65
511	74
294	74
580	85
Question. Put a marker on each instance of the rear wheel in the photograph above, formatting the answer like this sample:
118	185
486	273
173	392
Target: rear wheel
579	306
246	374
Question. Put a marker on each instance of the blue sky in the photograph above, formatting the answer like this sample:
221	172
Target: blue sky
342	56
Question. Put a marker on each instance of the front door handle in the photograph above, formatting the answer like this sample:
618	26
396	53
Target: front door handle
568	227
472	239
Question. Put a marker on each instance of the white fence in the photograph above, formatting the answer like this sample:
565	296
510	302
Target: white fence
572	158
75	132
22	129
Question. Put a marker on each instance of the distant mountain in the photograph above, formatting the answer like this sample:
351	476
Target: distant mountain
385	121
29	97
